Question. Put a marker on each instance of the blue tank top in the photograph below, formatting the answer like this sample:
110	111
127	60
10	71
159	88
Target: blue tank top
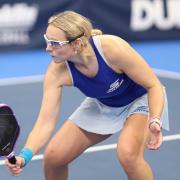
110	88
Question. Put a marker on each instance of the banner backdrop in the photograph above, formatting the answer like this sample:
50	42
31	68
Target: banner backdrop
23	23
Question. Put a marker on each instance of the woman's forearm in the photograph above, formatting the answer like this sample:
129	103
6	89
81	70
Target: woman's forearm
156	100
38	137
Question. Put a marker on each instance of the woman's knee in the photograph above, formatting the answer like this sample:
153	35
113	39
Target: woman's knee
129	156
54	159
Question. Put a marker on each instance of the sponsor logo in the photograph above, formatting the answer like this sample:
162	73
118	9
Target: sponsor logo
164	15
141	109
7	145
115	85
15	23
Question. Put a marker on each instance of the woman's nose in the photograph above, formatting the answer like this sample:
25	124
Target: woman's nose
48	48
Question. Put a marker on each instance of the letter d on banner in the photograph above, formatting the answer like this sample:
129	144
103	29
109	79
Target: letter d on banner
141	15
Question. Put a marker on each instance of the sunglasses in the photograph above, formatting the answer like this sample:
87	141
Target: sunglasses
55	43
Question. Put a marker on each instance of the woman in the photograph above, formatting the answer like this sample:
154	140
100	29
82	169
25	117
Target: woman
123	94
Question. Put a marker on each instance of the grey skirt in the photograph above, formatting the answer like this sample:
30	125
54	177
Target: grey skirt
93	116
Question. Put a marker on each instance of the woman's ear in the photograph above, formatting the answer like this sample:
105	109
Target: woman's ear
77	45
78	42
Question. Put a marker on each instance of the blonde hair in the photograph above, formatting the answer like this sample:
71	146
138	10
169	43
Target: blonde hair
74	25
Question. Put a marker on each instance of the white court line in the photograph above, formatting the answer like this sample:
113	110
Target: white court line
39	78
21	80
104	147
167	74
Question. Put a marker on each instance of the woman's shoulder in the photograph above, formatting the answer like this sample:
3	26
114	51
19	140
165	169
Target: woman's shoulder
111	39
59	73
56	68
113	46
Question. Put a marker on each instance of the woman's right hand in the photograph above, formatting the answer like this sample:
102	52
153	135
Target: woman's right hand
15	169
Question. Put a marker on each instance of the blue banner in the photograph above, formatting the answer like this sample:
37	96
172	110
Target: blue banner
23	23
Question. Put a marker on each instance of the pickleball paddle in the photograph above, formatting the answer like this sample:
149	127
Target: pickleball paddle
9	131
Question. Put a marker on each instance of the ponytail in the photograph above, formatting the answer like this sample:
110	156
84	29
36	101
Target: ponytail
95	32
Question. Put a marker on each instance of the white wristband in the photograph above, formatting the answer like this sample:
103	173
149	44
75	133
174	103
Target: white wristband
154	120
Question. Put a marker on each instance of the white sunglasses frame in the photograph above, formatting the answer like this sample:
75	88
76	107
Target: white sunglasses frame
55	43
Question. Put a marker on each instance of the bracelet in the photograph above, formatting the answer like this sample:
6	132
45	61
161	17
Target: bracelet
27	155
155	119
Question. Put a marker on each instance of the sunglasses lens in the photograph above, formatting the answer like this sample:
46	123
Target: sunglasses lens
54	44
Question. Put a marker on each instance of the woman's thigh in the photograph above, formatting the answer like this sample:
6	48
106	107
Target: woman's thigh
134	136
69	142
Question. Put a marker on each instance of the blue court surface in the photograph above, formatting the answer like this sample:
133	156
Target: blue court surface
21	76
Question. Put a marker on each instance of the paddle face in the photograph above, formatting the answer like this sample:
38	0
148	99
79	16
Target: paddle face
9	130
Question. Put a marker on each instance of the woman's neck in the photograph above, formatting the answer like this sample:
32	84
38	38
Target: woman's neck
85	57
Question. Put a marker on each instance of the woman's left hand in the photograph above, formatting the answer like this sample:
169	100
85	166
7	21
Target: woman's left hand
156	137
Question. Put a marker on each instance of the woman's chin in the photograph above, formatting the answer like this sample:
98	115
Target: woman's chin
56	60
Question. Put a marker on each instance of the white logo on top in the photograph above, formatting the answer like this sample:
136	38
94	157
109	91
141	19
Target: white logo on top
16	21
115	85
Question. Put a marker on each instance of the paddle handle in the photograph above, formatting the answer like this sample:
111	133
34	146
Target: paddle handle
12	160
